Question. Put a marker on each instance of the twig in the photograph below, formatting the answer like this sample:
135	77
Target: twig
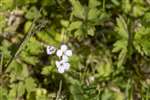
103	5
25	39
1	64
59	91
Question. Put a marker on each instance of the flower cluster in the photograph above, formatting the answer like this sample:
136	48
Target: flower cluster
63	53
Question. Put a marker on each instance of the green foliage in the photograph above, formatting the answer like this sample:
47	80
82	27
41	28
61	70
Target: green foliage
78	9
110	41
142	40
90	16
121	44
32	13
2	23
6	4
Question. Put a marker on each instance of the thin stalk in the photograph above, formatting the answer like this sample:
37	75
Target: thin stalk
24	41
59	91
1	64
103	5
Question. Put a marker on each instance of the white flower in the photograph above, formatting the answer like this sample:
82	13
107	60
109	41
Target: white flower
59	53
62	66
50	50
68	53
61	70
64	51
66	66
64	47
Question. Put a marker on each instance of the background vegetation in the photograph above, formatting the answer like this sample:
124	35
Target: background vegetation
110	40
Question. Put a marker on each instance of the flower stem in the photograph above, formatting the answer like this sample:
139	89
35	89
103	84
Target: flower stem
1	64
24	41
59	91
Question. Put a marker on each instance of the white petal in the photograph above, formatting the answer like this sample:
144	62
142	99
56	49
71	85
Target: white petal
64	47
66	66
61	70
50	50
59	53
65	58
68	53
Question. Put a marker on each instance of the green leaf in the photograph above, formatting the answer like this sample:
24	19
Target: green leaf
64	23
20	89
120	46
33	60
32	13
141	33
126	6
93	14
91	31
16	67
93	3
27	26
147	17
146	46
76	91
119	96
75	60
107	95
47	70
13	92
2	23
6	4
58	37
121	28
78	33
138	47
4	49
115	2
75	25
30	84
49	37
3	93
138	10
78	9
25	72
41	94
105	68
34	47
141	40
18	71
